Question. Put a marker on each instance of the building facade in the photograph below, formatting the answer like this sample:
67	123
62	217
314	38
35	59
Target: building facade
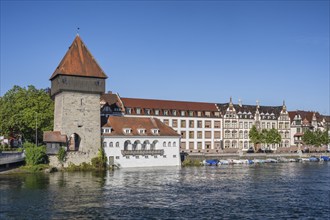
140	142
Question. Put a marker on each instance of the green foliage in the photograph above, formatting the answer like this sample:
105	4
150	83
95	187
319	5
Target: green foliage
191	162
100	162
35	168
61	154
316	138
82	167
19	109
35	155
255	136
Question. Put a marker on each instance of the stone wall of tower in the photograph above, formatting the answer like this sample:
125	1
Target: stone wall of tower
79	113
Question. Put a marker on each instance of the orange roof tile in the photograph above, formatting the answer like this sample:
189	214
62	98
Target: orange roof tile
54	136
78	61
118	123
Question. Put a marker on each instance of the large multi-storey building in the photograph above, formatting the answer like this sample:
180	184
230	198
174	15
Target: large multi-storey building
207	127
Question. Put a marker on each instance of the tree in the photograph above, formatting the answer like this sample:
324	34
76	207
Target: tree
316	138
21	108
271	136
255	137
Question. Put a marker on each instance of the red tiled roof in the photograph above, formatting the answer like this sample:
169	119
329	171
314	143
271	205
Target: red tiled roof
118	124
78	61
54	136
169	105
306	115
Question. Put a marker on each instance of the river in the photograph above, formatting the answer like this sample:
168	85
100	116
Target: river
264	191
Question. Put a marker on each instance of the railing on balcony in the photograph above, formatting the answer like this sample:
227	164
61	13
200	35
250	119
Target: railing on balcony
141	152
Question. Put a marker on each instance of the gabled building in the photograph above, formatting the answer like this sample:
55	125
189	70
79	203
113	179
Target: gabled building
140	142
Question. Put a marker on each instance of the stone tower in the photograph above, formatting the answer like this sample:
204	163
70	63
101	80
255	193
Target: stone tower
76	86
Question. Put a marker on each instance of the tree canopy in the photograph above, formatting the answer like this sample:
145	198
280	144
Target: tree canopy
22	108
264	136
316	138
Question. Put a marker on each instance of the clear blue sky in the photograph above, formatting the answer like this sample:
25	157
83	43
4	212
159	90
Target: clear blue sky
178	50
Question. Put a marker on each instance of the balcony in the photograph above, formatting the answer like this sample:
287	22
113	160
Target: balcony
142	152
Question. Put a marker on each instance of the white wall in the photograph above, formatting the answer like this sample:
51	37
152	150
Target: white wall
172	154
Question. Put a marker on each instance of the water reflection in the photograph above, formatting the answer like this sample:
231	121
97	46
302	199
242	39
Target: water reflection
249	192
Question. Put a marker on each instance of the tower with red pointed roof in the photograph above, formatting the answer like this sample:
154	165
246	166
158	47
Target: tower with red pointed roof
76	86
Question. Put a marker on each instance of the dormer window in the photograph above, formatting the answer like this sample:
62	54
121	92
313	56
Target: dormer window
142	131
207	114
183	113
174	112
106	130
155	131
165	112
138	111
128	111
156	112
147	111
191	113
127	130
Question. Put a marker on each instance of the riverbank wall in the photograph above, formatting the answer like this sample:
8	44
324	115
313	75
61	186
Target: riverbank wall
251	156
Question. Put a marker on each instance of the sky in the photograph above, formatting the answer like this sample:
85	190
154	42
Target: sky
204	51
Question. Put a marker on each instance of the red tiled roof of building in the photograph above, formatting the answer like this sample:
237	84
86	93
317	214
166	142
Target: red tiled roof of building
78	61
306	115
54	136
168	104
118	124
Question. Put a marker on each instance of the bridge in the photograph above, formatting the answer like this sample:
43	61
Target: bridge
11	158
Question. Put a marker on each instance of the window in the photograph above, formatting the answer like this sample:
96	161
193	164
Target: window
234	124
298	130
199	145
183	123
155	131
164	156
146	156
147	111
207	114
127	130
156	112
268	125
174	123
217	134
191	123
117	157
227	134
104	144
164	144
137	157
207	134
169	144
207	124
183	134
166	121
240	134
165	112
183	145
227	124
280	125
250	125
155	156
110	144
234	134
138	111
241	125
141	131
199	124
263	125
128	111
191	113
217	124
174	112
191	145
217	114
273	125
199	114
174	144
127	157
191	134
286	125
199	135
117	144
208	145
183	113
246	134
174	156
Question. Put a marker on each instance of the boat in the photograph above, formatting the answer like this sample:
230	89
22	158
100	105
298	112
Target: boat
325	158
211	162
270	160
224	162
314	159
